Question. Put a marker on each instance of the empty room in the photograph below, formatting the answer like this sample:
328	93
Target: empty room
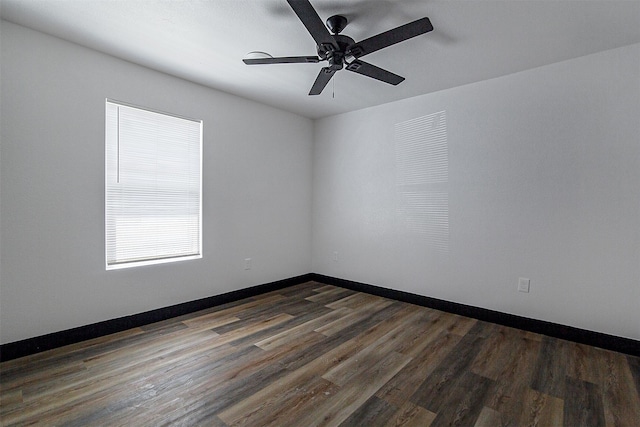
320	213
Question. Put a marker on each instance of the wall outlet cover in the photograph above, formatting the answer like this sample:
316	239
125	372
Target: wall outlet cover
523	284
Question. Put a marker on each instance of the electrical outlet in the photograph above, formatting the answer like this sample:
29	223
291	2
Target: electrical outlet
247	263
523	284
335	256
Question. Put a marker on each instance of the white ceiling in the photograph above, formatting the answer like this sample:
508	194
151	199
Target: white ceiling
205	40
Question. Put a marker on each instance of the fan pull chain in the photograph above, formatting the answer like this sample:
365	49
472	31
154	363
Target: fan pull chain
334	88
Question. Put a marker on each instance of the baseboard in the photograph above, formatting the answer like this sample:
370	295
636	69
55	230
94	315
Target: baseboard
35	345
596	339
38	344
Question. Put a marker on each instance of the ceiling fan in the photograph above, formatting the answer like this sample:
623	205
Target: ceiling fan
342	51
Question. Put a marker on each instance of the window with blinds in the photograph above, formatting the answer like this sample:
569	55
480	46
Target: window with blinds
153	187
422	176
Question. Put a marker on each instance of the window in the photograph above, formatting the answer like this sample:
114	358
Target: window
153	189
422	179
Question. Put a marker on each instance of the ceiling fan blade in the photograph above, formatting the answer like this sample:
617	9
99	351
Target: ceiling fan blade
321	81
282	60
377	73
314	24
391	37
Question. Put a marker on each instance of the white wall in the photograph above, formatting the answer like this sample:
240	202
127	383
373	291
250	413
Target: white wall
544	183
256	190
544	178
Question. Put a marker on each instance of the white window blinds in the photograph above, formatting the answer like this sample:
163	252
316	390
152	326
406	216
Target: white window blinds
153	187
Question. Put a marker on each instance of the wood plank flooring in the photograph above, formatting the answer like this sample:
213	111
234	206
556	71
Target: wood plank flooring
318	355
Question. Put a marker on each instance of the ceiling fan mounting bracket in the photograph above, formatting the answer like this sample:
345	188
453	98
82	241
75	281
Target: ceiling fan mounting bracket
336	23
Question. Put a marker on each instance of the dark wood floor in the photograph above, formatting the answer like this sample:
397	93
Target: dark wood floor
321	355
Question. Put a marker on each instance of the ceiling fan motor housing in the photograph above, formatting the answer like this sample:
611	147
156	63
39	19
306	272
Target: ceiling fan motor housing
336	58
